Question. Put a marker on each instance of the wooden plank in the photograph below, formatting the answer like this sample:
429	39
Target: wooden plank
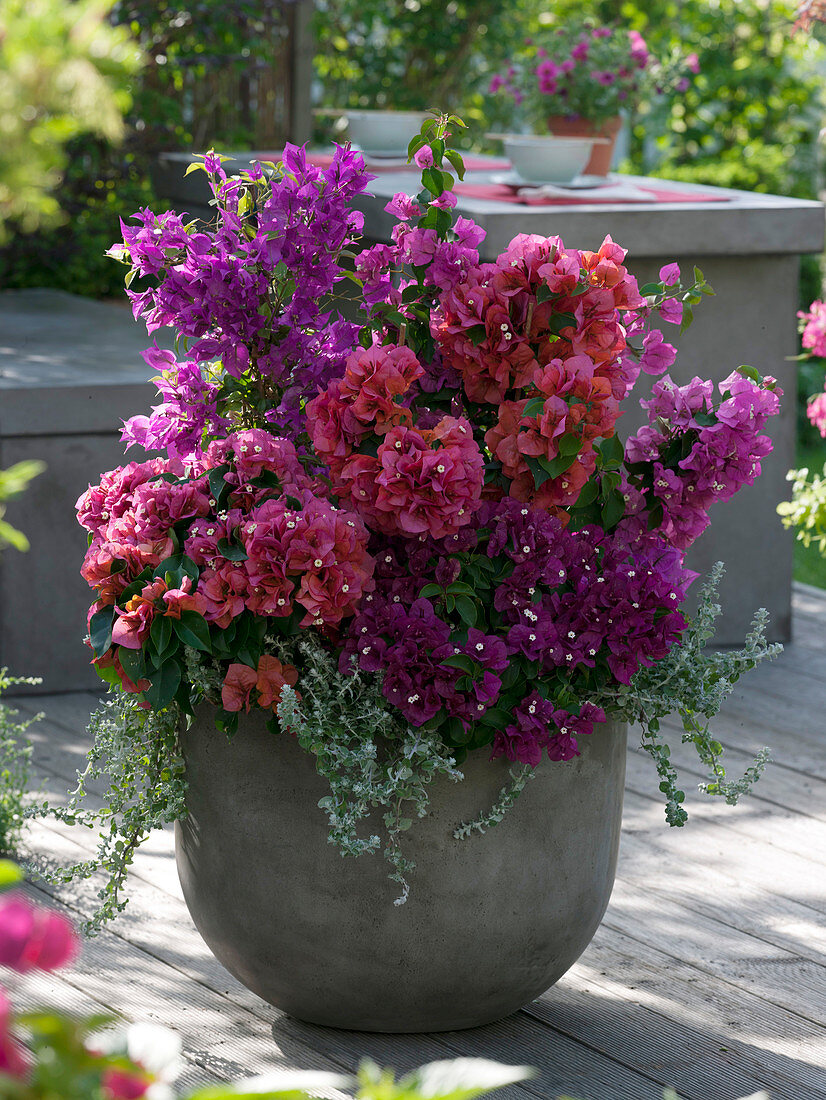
776	975
778	824
750	890
698	1034
703	1061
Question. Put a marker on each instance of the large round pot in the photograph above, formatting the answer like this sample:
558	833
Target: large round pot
602	153
491	922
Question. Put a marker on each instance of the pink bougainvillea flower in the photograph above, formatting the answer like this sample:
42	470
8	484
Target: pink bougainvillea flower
373	379
237	688
34	938
134	621
423	157
430	481
445	201
272	676
813	324
657	355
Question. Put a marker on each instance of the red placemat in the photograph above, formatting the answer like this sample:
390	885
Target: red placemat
502	192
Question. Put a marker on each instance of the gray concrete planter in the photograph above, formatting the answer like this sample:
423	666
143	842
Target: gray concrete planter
490	924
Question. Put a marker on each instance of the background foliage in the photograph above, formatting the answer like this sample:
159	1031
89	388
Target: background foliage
63	71
182	43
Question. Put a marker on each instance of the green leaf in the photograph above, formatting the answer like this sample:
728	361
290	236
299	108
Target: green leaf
467	609
223	640
560	321
227	721
462	661
477	334
164	683
193	630
454	732
569	445
160	634
133	663
588	493
545	294
415	145
613	510
459	588
177	567
749	372
497	717
219	488
455	158
543	468
10	874
100	630
444	220
534	407
433	180
612	450
431	590
511	674
231	551
651	288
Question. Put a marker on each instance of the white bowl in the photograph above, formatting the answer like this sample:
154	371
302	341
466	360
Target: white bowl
384	133
541	159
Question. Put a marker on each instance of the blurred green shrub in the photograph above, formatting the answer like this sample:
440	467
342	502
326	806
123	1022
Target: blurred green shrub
181	41
63	71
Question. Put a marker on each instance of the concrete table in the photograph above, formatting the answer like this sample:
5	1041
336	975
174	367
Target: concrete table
70	372
749	248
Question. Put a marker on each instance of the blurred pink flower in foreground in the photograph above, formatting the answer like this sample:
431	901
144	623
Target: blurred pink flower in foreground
34	938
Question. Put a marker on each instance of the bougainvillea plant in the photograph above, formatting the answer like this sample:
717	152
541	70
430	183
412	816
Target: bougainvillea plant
587	71
413	536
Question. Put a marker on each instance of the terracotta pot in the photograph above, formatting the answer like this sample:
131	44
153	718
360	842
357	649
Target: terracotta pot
602	153
490	924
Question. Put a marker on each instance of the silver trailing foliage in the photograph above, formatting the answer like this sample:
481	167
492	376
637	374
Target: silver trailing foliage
15	764
693	683
520	774
373	761
137	750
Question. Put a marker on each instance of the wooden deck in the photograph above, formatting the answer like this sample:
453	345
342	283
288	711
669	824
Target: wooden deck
707	974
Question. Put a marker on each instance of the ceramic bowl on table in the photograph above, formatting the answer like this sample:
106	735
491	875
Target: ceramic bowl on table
547	159
383	133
